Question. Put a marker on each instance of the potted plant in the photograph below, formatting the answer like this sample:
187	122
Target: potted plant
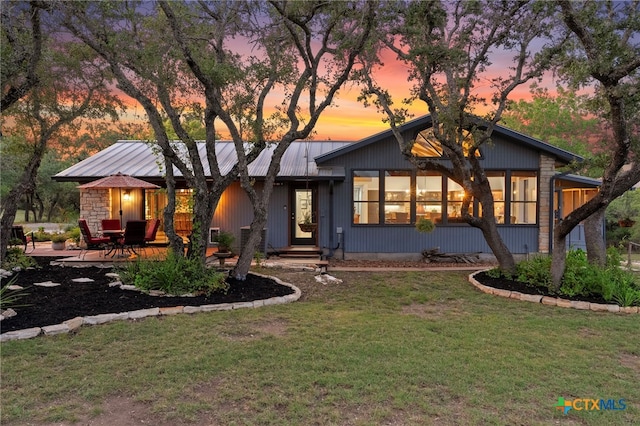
58	241
225	241
307	225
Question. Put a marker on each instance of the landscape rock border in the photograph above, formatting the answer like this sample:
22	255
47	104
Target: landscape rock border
551	301
74	323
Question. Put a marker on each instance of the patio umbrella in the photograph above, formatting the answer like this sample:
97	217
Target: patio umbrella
119	181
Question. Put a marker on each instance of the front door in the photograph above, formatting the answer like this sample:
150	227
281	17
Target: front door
303	211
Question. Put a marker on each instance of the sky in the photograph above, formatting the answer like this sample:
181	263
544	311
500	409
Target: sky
348	119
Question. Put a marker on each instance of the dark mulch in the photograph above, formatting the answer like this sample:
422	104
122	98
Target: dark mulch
53	305
507	284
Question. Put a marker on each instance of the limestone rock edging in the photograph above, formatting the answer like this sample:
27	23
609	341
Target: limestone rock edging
75	323
551	301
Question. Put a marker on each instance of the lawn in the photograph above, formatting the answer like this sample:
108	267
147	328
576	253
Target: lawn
409	348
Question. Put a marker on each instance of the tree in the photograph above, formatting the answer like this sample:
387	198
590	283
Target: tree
447	47
197	58
20	49
71	86
564	120
605	53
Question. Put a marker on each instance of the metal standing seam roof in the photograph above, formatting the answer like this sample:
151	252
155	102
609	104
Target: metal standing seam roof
140	159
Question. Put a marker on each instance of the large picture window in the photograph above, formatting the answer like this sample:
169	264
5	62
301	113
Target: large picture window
403	196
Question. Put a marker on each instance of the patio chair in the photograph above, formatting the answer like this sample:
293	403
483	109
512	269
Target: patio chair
17	233
111	224
93	243
152	230
134	234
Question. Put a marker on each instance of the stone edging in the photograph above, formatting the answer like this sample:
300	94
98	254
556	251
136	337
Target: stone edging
75	323
551	301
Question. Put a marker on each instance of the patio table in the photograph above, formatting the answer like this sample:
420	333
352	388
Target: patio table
116	236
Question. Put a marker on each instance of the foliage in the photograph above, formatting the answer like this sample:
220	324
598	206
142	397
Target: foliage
563	120
15	258
424	225
582	278
174	275
73	233
258	257
535	271
59	238
225	240
10	299
306	218
626	206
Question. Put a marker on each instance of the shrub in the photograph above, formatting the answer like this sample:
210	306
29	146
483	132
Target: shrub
73	232
59	238
535	272
424	225
173	275
15	258
582	278
9	299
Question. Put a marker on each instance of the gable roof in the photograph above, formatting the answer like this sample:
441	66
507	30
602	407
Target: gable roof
424	122
142	160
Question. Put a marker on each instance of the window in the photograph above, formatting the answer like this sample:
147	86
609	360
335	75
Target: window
366	197
408	196
426	144
429	196
524	197
497	184
397	196
455	194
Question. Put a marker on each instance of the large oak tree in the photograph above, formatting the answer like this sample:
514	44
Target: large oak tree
448	48
605	52
174	57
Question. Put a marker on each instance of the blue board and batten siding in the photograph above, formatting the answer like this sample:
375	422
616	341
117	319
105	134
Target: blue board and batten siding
368	239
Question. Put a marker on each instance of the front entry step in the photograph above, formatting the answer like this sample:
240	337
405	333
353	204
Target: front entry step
300	252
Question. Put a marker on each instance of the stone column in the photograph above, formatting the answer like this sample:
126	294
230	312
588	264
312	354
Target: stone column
95	205
547	170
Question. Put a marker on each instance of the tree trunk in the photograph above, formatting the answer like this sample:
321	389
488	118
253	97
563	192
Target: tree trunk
596	250
24	186
175	241
246	256
498	247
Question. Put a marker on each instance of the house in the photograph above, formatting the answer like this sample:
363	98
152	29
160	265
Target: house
363	197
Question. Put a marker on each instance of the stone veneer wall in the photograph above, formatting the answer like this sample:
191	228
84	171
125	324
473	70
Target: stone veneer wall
547	170
95	205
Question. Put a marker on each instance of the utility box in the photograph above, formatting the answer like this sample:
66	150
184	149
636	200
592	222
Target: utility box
244	237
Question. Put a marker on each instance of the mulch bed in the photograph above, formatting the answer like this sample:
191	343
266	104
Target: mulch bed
53	305
506	284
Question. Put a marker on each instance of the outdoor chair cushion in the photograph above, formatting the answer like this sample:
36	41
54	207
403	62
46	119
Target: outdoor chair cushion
91	241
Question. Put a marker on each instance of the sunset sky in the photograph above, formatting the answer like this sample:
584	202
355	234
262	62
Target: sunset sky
350	120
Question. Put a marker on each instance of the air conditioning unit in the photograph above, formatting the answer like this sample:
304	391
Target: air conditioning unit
213	233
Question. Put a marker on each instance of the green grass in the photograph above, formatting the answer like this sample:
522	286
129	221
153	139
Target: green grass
381	348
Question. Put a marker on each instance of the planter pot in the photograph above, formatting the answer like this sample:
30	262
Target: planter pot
221	256
308	227
58	245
